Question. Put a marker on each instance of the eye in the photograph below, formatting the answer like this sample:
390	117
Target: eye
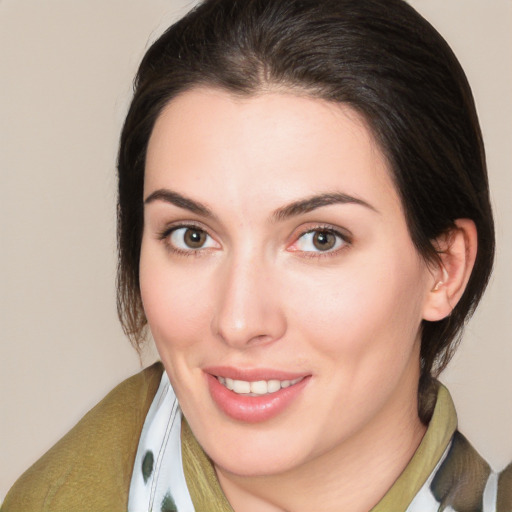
190	238
320	240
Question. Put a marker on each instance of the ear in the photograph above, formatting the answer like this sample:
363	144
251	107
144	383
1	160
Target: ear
457	252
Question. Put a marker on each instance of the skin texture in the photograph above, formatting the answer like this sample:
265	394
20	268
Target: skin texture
259	294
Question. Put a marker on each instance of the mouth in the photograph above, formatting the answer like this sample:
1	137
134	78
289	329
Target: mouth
258	387
252	396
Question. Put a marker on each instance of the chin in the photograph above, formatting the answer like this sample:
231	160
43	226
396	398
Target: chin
258	465
252	450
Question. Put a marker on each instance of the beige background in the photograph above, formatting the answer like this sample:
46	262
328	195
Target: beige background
66	68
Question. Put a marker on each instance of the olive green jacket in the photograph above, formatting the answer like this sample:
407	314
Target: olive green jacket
90	468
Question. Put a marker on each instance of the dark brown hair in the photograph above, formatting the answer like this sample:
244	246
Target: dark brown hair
378	56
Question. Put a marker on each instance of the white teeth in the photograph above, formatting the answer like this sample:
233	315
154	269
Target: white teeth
273	386
256	388
241	386
259	387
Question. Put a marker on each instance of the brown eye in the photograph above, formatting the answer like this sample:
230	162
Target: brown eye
320	240
190	238
324	240
194	238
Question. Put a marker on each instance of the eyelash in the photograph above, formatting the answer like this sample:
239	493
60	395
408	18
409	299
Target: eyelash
344	237
346	240
165	235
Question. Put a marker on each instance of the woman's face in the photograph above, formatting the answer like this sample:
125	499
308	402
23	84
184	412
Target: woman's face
279	279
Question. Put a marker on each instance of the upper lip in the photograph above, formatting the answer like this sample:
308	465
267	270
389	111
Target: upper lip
252	374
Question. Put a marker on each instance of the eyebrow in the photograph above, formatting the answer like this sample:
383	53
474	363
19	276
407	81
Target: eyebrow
291	210
179	200
312	203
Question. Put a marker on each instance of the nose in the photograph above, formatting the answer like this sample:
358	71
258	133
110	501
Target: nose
248	311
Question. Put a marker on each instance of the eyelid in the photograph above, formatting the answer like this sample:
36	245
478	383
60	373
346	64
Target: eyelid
341	233
165	234
173	226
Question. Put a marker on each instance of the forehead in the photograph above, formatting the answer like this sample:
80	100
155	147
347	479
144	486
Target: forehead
275	144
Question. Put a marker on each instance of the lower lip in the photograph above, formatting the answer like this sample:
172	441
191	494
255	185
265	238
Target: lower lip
253	409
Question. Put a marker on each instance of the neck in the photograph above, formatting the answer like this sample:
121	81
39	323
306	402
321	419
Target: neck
376	454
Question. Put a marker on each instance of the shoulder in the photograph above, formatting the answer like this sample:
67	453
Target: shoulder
90	467
465	481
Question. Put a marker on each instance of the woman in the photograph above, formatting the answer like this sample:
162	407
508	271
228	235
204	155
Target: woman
304	226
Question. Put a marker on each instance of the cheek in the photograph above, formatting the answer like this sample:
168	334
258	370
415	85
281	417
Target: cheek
175	301
364	310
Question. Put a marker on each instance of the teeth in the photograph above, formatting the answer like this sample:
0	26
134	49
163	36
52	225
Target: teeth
273	386
256	388
259	387
241	386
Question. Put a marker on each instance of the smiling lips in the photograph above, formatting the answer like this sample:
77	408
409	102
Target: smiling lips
256	399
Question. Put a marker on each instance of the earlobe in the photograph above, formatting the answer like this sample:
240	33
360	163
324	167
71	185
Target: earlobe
457	253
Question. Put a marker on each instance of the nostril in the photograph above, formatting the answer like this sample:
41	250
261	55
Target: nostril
248	334
246	312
